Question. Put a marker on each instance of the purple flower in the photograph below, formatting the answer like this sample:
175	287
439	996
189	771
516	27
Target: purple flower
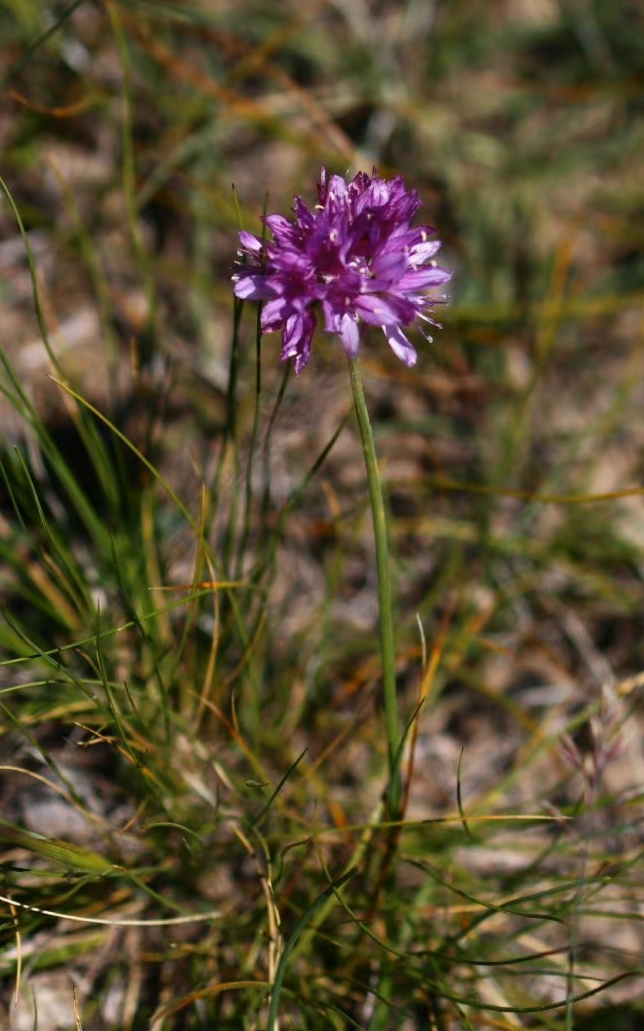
356	255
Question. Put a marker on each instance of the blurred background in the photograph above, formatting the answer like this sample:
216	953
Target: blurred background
136	137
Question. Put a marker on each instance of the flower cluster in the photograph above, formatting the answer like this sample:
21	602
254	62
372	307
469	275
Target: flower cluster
355	255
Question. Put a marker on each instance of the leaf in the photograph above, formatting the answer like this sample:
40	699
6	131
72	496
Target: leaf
72	857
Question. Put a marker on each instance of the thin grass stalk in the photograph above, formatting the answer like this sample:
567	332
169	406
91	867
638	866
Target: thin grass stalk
329	893
385	604
252	448
148	345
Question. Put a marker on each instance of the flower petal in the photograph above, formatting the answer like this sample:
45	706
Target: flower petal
420	253
422	278
400	345
252	285
296	341
390	264
350	335
377	310
274	314
251	244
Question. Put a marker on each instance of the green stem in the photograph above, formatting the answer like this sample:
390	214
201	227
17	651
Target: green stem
386	633
329	894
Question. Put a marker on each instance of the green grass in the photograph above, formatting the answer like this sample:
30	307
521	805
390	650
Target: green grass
192	744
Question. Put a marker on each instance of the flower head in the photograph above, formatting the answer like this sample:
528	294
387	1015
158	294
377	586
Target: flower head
355	256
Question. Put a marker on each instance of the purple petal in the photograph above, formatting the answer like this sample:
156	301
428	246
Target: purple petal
297	337
274	314
390	265
305	217
250	243
251	285
280	227
337	189
350	335
423	251
323	186
420	279
332	317
400	345
379	311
